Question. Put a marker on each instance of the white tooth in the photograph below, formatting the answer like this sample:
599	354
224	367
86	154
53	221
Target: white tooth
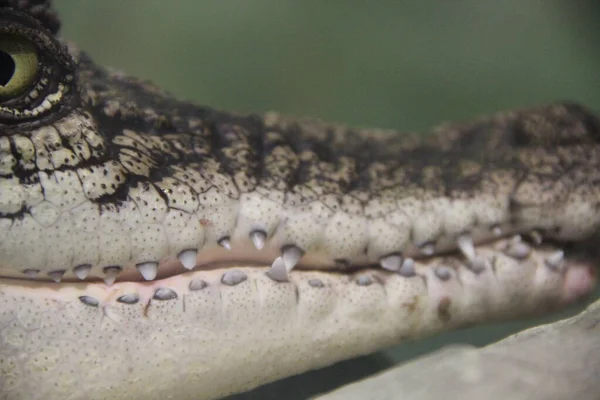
188	258
555	260
258	238
164	294
111	274
477	265
518	249
224	242
56	276
516	239
465	244
443	273
496	230
393	262
536	237
291	256
428	249
197	284
148	270
82	271
278	272
31	273
130	298
89	301
408	268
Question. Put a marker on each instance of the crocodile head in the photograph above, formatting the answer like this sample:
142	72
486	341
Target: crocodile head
151	248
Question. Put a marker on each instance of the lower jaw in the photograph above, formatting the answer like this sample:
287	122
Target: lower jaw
207	333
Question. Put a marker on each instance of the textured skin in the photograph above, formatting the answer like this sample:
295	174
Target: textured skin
106	177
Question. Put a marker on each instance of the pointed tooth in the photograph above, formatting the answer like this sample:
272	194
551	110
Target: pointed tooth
110	274
82	271
408	268
517	249
148	270
443	273
477	265
516	239
496	230
392	262
536	237
317	283
31	273
164	294
89	301
56	276
465	244
428	249
188	258
364	280
225	242
291	256
197	284
555	260
129	298
258	237
233	277
278	272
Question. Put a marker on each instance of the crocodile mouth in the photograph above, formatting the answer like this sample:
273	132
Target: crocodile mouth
559	274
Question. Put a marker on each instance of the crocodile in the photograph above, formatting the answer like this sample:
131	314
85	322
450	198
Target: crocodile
151	248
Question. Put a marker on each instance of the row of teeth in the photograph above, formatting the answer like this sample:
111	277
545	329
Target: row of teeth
291	255
514	248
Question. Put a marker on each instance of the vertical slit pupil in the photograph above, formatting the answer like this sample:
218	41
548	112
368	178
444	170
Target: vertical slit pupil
7	68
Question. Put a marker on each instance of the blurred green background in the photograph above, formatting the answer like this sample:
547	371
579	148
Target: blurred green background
392	64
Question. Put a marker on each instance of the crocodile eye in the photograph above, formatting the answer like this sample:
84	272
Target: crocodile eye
18	66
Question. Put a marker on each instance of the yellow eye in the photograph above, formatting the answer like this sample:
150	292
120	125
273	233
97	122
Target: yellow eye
18	66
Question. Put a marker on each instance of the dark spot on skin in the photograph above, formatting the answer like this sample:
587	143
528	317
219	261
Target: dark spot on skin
444	309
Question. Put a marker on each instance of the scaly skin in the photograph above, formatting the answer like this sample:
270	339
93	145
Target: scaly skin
151	248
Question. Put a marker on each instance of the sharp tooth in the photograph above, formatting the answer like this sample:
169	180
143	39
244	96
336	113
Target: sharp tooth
164	294
225	243
364	280
278	272
496	230
148	270
110	274
536	237
428	249
82	271
130	298
89	301
477	265
408	268
31	273
465	244
555	260
316	283
393	262
56	276
443	273
233	277
291	255
188	258
516	248
197	284
258	237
